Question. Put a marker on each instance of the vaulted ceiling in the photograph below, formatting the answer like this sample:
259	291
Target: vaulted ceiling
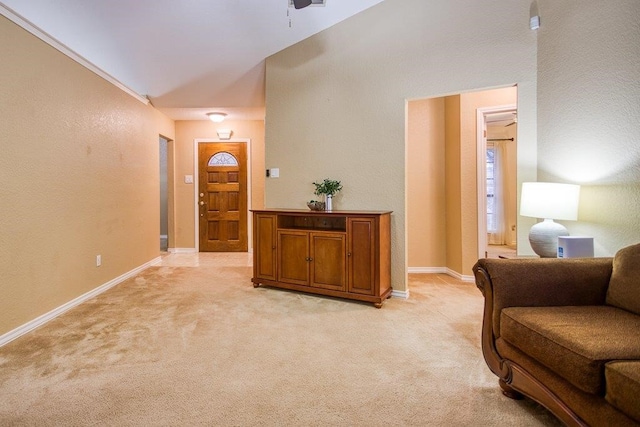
187	56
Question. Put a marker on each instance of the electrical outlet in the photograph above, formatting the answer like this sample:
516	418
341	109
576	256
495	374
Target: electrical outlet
98	260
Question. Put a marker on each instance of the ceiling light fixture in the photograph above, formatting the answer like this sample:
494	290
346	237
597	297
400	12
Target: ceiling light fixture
299	4
216	117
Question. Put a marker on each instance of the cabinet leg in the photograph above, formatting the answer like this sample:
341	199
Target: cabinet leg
255	285
377	304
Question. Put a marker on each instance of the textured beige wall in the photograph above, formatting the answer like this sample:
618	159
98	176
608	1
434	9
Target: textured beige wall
426	196
589	114
511	197
336	101
80	177
453	182
186	133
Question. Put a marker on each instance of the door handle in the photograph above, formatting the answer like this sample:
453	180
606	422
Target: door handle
201	203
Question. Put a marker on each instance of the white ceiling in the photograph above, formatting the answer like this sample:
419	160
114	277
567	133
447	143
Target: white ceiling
502	119
188	57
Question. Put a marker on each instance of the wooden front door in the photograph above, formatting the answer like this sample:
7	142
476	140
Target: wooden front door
222	197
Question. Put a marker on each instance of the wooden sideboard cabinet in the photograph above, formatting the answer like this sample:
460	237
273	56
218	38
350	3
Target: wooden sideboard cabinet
339	253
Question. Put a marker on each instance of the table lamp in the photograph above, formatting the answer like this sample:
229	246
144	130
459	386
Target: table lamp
548	201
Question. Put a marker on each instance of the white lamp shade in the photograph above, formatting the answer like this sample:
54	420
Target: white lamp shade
550	200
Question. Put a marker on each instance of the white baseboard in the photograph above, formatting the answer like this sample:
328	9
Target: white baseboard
432	270
440	270
182	250
41	320
460	276
400	294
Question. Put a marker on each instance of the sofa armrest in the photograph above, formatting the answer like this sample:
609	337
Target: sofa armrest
532	282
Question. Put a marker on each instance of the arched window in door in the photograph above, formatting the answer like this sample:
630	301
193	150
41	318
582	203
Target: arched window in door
223	158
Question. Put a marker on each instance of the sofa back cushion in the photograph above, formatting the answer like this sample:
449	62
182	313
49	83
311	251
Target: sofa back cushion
624	285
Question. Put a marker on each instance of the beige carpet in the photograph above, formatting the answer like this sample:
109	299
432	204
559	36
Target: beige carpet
201	346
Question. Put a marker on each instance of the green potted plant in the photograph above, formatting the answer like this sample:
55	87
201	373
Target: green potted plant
327	188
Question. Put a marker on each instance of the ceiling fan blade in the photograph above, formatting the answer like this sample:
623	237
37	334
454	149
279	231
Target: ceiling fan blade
510	124
299	4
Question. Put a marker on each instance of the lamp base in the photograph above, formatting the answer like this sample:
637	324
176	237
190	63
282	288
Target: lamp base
544	238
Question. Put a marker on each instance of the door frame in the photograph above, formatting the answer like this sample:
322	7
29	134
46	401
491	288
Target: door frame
481	168
196	172
171	191
167	169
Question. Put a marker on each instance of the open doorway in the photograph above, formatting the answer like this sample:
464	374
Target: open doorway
497	216
164	194
443	217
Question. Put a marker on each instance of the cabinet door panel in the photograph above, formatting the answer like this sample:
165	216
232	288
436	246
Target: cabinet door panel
265	246
293	257
361	256
328	261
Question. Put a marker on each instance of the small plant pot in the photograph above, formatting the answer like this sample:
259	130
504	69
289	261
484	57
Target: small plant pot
316	206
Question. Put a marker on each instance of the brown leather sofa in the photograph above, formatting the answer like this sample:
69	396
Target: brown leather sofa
566	333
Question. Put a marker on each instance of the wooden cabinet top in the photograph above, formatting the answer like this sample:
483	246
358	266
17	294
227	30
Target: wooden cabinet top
321	213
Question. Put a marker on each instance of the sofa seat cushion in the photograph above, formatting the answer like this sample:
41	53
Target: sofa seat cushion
623	386
575	342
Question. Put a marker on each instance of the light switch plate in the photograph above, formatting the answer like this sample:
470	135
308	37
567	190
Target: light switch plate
275	173
188	179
